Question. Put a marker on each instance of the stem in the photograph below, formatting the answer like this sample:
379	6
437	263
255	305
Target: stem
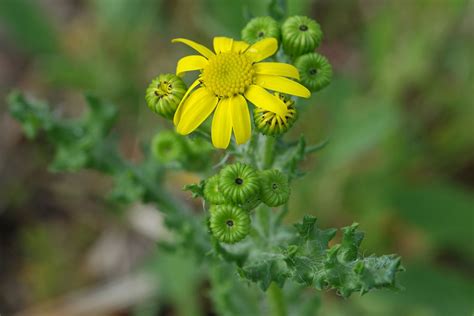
268	152
276	300
285	209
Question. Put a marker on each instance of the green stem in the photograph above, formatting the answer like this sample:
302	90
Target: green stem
276	300
268	152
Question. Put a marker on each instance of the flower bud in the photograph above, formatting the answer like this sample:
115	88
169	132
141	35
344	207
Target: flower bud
275	187
259	28
270	123
212	194
167	146
229	224
239	183
300	35
164	94
315	71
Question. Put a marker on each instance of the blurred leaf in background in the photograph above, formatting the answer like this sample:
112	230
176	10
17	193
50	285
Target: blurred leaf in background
398	115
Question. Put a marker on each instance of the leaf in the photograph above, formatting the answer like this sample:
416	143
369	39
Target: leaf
306	258
266	268
196	189
340	267
76	141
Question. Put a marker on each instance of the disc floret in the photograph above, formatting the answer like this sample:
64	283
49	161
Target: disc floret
228	74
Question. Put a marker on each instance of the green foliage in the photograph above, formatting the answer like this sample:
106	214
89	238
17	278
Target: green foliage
303	255
78	142
272	254
233	243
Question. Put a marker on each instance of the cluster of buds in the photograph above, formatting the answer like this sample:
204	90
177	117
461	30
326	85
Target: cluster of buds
299	36
235	192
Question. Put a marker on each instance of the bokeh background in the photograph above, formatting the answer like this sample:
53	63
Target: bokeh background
399	117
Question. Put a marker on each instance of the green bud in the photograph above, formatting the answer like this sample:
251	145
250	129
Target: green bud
239	183
275	187
315	71
167	146
229	223
212	193
199	153
300	35
259	28
164	94
271	124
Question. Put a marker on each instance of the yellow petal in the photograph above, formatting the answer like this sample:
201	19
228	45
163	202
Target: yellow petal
194	98
222	124
262	49
222	44
265	100
240	119
179	110
203	50
195	112
190	63
277	69
281	84
240	46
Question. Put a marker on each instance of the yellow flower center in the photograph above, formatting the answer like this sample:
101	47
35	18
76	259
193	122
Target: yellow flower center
228	74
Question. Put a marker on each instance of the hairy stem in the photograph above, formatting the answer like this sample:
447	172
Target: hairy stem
268	152
276	300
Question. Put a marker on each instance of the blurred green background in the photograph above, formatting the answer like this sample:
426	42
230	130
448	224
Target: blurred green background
399	115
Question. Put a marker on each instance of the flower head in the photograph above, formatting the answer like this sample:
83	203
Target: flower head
229	223
230	76
275	187
259	28
268	123
239	182
164	94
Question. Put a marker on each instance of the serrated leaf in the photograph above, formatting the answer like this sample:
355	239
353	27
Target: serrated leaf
266	268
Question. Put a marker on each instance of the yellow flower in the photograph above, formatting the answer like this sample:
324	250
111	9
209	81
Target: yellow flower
229	76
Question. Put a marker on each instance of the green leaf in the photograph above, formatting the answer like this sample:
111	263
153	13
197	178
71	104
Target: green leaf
302	255
266	268
340	267
196	189
77	141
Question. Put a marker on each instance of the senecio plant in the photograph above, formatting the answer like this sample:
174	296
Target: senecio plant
230	124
